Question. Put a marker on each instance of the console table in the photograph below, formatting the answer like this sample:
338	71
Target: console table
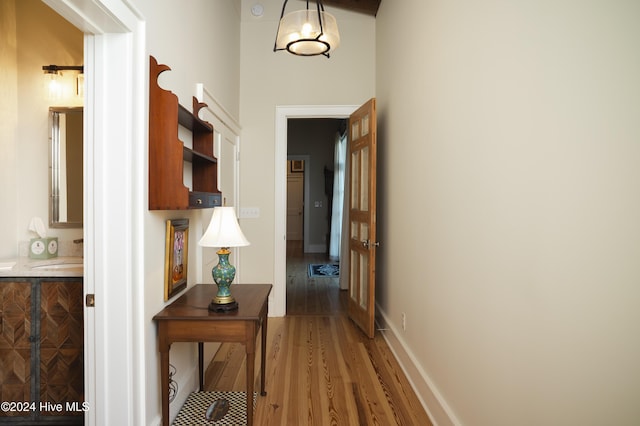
188	319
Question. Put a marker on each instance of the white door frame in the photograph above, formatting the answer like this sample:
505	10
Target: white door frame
115	79
283	114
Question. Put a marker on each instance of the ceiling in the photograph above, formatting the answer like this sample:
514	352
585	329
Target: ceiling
369	7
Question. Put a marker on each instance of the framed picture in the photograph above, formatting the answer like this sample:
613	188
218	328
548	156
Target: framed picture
176	257
297	166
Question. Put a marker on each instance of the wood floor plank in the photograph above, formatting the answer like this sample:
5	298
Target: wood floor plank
271	408
321	369
339	407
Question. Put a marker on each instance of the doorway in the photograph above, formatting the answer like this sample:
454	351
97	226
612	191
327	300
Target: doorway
318	246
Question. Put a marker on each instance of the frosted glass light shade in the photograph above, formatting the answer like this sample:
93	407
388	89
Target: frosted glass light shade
223	230
52	86
299	33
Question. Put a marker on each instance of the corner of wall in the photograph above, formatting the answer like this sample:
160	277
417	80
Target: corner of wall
429	396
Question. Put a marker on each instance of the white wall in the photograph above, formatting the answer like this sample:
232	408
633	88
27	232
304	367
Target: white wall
8	129
509	205
271	79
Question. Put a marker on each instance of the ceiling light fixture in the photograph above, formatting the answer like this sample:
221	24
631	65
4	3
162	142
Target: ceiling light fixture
307	32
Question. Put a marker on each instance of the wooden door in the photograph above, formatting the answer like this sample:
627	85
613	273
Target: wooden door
362	216
295	205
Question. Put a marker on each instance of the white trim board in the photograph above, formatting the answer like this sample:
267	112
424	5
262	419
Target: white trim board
116	75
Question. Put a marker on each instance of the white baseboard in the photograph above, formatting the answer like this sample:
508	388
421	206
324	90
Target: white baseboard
430	398
157	421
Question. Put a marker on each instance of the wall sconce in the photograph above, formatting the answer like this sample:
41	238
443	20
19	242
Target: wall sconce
307	32
56	87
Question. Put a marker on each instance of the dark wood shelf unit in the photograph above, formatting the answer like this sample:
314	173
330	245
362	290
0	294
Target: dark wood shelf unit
187	119
192	156
167	152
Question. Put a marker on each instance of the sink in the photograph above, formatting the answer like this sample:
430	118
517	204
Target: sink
58	264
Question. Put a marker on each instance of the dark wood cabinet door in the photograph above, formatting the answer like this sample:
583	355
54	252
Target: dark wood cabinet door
15	345
61	344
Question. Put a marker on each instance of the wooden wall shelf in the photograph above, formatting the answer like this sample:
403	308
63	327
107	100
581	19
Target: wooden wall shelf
167	153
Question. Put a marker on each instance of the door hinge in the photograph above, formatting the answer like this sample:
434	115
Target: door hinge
90	300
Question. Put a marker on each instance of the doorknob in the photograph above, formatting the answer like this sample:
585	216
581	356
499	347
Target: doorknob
368	244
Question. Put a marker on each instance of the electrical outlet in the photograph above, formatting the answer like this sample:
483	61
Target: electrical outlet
404	322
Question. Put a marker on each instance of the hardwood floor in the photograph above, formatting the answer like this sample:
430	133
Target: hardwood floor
311	296
321	369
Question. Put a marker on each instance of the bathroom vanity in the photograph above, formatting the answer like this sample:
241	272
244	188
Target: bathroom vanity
41	342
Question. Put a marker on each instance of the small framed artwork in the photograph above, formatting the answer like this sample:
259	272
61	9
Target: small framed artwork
297	166
176	257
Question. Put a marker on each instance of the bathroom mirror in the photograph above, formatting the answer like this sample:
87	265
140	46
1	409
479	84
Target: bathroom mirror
65	167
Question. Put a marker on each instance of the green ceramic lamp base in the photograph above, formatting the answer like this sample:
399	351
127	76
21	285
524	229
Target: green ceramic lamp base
223	275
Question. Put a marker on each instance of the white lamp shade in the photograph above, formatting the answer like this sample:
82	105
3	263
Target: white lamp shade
223	230
298	33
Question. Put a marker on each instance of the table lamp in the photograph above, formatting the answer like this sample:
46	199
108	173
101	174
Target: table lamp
223	232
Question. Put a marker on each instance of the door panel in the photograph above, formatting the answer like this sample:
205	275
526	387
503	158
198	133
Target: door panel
295	206
15	344
362	217
61	344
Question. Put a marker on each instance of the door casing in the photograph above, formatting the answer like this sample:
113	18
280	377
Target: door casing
115	73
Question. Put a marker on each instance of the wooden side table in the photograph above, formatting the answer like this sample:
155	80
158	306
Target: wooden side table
188	319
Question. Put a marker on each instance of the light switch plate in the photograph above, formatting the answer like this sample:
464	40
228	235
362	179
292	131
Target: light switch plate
249	212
